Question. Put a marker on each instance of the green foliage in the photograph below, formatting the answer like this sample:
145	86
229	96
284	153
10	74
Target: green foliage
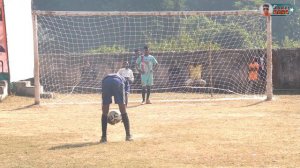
290	43
190	37
248	5
184	42
173	4
291	29
203	33
283	27
110	5
107	49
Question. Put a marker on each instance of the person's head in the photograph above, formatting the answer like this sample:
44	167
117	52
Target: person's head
146	50
266	9
126	64
254	60
137	52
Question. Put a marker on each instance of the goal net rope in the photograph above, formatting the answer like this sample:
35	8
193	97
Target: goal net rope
201	55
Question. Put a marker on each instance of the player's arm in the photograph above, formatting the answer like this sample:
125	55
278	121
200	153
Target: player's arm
155	67
155	64
138	64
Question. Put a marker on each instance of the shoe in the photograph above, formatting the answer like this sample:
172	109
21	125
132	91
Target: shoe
103	140
129	138
148	102
143	102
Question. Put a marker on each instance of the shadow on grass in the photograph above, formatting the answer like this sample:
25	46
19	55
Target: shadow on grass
75	145
133	106
22	108
256	103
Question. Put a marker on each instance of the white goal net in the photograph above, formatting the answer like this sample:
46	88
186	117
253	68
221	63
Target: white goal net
201	55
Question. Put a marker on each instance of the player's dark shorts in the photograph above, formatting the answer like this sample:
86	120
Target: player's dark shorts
113	86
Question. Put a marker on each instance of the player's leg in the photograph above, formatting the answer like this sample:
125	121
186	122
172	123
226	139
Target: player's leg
148	95
149	84
137	78
143	94
105	109
249	88
125	119
106	101
120	99
144	82
255	87
126	98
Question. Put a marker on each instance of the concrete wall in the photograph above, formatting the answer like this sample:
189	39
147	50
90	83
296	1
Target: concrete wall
229	70
286	68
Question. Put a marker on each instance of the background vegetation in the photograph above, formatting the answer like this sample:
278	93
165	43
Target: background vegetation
286	30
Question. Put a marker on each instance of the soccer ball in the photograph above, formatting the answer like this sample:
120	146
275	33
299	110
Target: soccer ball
114	117
202	82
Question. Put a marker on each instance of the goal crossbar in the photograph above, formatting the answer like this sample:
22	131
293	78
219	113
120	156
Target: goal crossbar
152	13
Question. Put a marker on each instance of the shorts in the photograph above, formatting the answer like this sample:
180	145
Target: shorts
147	79
112	86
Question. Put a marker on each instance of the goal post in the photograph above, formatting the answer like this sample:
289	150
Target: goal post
37	91
201	54
269	86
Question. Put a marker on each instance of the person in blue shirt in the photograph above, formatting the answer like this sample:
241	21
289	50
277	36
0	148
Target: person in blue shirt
114	85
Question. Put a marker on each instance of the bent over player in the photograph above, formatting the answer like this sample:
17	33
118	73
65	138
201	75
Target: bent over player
114	85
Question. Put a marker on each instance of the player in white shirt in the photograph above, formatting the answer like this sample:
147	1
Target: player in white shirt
127	73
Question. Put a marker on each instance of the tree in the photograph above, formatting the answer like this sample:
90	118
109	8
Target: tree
248	4
290	43
285	29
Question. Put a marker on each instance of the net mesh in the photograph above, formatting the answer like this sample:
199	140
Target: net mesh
199	56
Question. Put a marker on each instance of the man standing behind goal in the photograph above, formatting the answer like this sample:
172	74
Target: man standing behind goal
146	64
132	65
253	75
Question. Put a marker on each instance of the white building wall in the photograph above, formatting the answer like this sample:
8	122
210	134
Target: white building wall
19	39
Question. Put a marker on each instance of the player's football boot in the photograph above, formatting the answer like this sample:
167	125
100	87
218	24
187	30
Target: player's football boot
129	138
103	140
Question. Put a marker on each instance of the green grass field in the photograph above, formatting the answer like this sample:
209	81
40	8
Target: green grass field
239	133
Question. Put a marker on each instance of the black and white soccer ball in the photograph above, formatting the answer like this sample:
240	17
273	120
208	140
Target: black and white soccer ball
114	117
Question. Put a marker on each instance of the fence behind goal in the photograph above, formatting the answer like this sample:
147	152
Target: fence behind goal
200	54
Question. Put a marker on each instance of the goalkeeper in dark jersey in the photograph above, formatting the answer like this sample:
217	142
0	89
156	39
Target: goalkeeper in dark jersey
114	85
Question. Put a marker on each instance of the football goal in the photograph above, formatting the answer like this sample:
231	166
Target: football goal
201	54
